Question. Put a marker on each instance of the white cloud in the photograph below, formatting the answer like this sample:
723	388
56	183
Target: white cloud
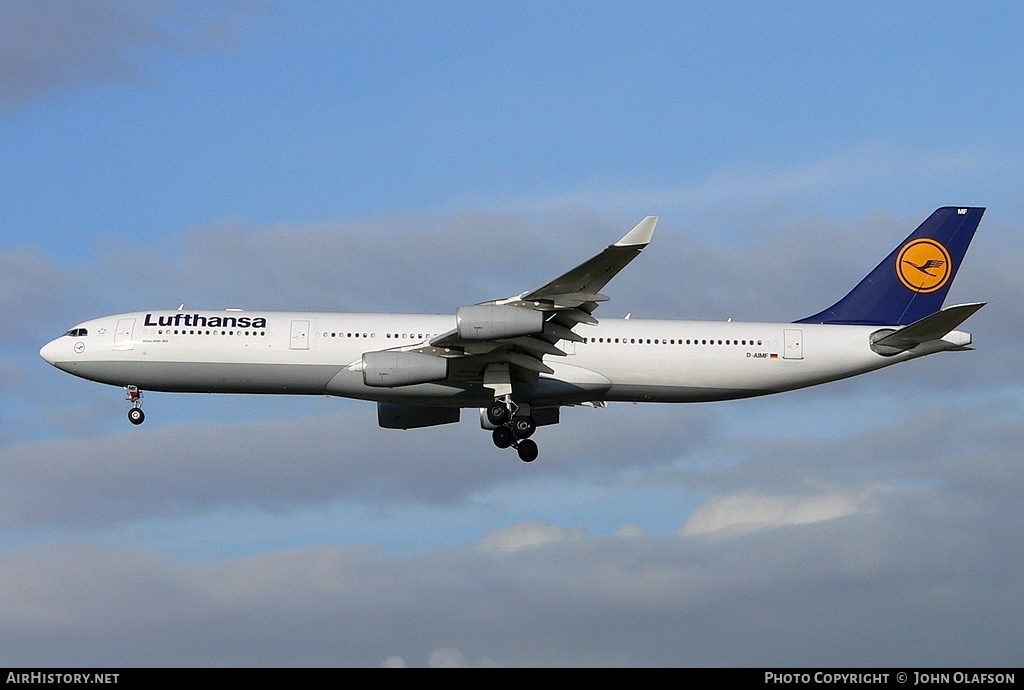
526	535
446	658
629	530
747	511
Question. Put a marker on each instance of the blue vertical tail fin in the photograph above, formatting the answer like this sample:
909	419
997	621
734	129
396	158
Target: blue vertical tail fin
912	282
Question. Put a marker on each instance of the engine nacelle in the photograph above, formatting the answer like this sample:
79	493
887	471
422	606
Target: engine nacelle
494	322
392	369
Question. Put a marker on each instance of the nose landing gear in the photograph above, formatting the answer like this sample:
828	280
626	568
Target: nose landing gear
133	395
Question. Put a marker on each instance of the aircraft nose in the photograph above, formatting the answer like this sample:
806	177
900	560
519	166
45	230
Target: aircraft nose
49	351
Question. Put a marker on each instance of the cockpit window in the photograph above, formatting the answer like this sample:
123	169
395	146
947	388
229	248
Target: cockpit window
77	332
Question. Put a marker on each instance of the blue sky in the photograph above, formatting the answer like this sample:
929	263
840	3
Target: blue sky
287	113
408	156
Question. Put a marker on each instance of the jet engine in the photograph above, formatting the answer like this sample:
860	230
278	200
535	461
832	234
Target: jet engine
387	369
494	322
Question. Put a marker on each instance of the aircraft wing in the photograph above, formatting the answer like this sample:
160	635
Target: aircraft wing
581	286
522	329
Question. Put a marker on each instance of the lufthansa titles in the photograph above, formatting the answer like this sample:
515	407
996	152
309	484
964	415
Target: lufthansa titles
203	321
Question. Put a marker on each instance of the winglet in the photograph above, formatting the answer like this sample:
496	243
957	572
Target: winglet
639	235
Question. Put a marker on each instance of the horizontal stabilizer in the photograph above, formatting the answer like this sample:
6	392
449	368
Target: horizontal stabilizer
933	327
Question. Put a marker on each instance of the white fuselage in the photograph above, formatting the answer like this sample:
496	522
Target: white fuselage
319	353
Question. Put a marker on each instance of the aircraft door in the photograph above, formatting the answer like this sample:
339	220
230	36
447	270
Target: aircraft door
300	335
123	334
794	338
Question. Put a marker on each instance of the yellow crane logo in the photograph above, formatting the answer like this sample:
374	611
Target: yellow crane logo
923	265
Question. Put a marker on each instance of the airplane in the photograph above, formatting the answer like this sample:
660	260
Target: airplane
522	358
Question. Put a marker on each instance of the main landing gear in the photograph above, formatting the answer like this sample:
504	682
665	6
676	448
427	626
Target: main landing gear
133	395
512	430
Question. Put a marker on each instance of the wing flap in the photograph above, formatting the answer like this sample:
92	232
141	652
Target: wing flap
527	362
572	317
536	345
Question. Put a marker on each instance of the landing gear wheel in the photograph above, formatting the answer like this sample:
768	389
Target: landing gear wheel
527	450
498	413
502	437
523	427
134	396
